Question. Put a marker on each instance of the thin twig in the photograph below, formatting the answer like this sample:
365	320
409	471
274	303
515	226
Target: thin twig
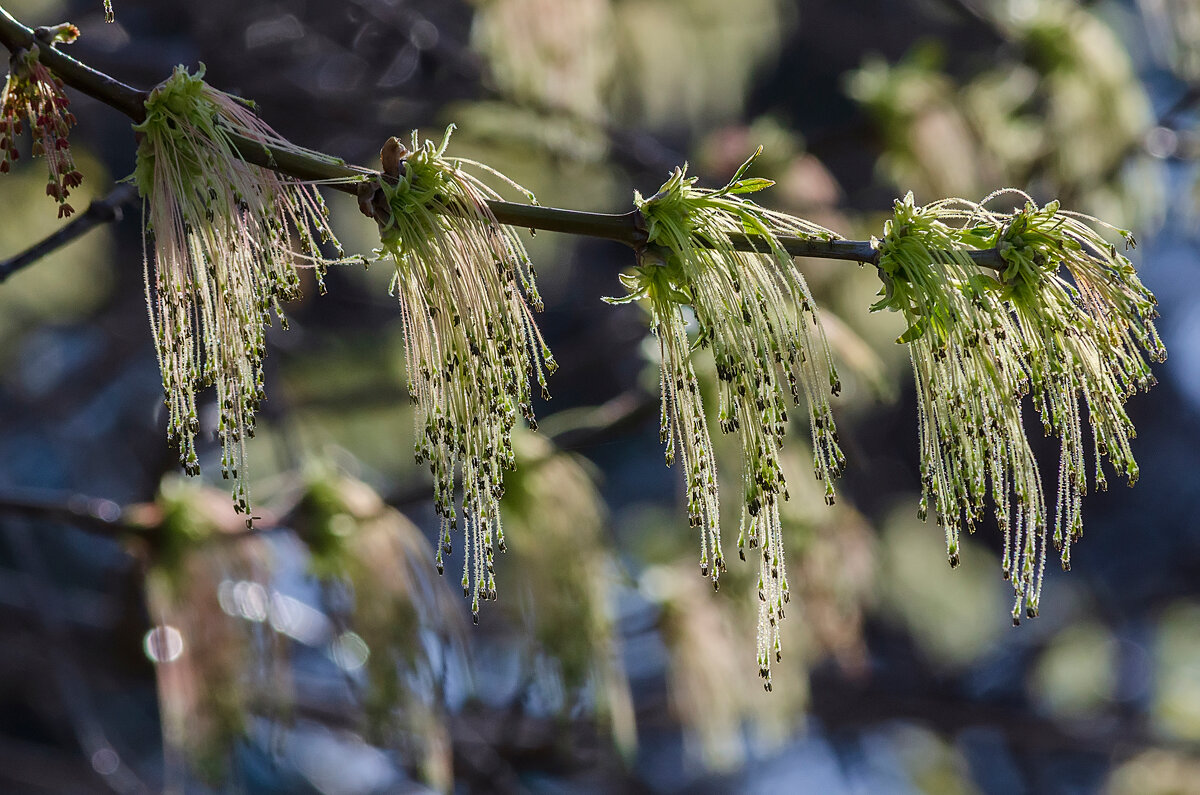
95	515
101	211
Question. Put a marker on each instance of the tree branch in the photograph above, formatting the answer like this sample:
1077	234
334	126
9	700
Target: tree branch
99	212
82	77
622	228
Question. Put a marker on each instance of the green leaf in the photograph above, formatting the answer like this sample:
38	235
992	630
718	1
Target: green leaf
913	332
984	284
631	281
750	185
679	296
626	299
749	161
450	128
754	226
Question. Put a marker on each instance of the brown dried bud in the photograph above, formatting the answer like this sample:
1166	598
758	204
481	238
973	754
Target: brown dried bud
392	155
366	192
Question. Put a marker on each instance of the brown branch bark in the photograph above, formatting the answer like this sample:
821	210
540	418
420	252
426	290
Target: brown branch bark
622	228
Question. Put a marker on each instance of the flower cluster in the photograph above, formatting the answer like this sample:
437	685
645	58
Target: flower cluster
1081	337
466	288
221	232
34	96
759	317
981	344
969	383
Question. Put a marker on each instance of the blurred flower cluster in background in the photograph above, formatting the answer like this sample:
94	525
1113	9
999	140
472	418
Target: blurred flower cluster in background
152	642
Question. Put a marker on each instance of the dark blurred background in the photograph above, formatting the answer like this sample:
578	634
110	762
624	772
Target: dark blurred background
147	645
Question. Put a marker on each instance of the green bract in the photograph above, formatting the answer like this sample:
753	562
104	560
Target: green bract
220	229
756	312
463	281
981	343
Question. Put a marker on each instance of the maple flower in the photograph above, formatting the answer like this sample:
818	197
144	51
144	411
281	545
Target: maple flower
466	290
221	231
34	96
980	344
1086	335
757	314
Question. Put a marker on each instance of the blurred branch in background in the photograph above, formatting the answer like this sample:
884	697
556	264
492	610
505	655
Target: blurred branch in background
577	430
110	209
93	514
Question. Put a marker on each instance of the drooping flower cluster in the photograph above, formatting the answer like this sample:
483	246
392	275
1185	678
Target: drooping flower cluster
756	312
221	231
33	96
466	289
980	344
1084	334
969	382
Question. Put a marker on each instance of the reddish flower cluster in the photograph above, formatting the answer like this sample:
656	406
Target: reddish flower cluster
34	96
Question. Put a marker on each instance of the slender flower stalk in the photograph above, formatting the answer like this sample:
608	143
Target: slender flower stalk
466	290
981	344
221	231
683	425
759	317
34	96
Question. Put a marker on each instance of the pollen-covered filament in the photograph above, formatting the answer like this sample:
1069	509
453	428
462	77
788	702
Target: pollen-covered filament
684	428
